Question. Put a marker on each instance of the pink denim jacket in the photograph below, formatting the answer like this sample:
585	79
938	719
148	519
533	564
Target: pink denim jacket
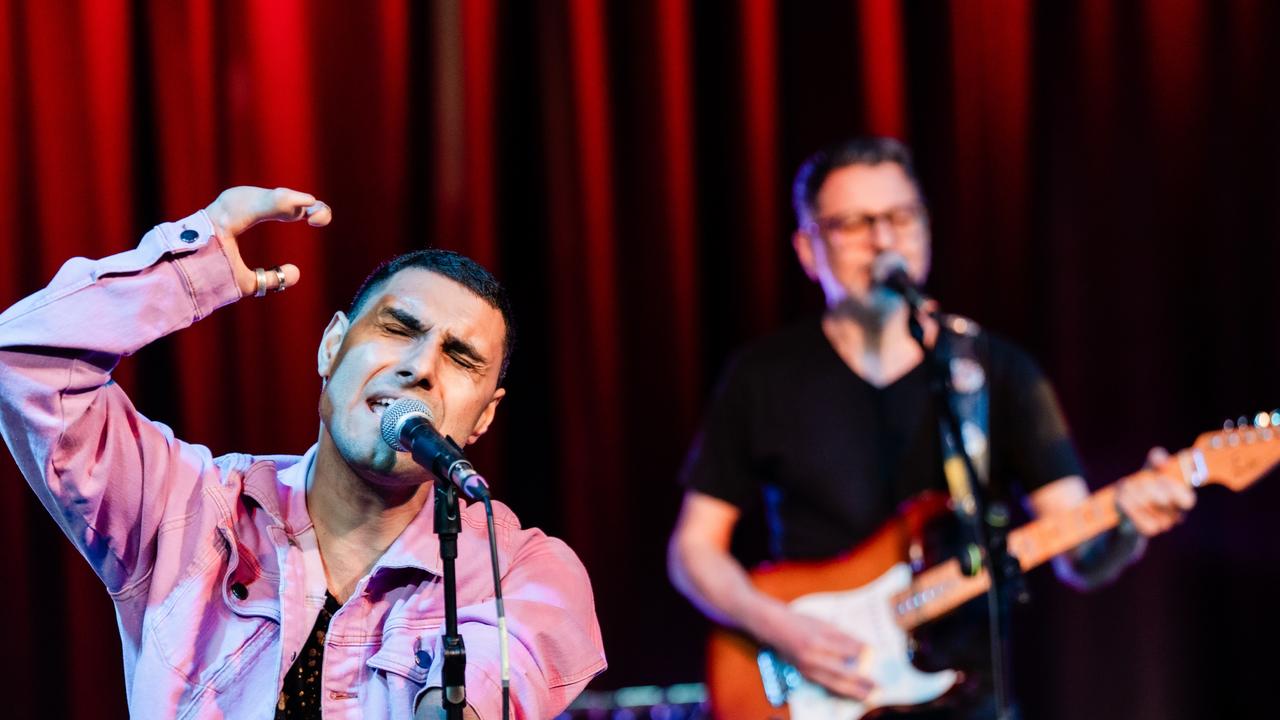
212	562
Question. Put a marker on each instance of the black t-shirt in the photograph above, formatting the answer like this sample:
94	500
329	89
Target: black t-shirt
832	457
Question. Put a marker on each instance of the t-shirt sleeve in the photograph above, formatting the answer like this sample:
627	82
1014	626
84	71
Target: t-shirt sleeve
1041	449
720	461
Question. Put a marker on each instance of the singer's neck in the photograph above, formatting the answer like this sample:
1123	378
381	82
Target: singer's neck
355	520
877	347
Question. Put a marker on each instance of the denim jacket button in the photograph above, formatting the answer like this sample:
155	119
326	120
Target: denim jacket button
239	590
189	236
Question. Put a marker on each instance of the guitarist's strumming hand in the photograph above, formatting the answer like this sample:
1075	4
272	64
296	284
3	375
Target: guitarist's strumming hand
1153	500
821	652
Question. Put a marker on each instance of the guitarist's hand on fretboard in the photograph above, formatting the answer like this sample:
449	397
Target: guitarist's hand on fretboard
1154	499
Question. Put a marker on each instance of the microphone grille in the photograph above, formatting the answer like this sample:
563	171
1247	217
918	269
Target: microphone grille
394	417
886	265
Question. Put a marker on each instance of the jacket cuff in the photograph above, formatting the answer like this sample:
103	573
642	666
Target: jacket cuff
201	260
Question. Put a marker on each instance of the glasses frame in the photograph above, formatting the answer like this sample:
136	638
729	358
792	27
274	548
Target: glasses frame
903	219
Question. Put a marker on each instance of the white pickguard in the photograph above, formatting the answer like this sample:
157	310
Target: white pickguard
865	613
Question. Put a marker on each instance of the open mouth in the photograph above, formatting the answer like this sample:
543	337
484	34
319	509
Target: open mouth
380	405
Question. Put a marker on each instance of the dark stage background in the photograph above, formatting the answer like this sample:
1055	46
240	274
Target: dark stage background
1104	178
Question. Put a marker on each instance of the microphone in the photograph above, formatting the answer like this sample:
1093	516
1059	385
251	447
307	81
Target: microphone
889	270
407	426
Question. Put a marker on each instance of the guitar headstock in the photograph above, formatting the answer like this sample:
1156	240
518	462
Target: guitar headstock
1242	451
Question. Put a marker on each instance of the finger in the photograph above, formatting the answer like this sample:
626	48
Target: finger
1152	522
1186	498
1183	495
856	687
1158	494
1136	492
1131	500
1177	497
839	645
1144	523
286	205
269	280
864	686
291	276
843	683
1143	507
319	214
1157	456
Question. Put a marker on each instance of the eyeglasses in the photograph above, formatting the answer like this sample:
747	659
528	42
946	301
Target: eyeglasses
903	219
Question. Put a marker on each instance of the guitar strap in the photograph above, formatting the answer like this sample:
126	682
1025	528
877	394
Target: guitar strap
958	348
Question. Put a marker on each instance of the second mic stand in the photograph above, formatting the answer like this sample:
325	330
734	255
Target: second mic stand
987	524
448	523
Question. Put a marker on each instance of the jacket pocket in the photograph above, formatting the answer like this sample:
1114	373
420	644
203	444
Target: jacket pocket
209	630
406	652
399	668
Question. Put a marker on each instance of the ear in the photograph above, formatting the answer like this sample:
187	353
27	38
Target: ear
486	417
330	342
802	243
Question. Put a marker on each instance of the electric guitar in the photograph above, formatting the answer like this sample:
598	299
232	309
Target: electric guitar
873	594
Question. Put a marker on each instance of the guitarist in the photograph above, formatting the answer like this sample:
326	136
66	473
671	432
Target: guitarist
830	423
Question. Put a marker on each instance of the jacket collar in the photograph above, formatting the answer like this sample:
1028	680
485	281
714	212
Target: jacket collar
279	485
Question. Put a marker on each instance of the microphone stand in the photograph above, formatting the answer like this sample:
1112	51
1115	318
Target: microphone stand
448	523
987	524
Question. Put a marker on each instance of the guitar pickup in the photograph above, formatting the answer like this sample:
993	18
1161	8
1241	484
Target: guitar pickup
778	677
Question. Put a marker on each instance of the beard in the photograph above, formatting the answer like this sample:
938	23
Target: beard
874	310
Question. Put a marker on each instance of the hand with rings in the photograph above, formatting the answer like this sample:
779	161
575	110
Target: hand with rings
260	278
240	208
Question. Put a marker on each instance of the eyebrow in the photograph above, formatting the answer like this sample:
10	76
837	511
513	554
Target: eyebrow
409	320
452	344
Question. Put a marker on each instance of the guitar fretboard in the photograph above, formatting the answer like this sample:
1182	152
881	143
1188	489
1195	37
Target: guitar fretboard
945	586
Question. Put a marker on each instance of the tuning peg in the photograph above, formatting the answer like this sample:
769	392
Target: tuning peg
1228	426
1262	420
1242	422
1275	418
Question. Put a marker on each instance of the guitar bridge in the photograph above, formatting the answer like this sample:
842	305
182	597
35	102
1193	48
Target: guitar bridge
778	677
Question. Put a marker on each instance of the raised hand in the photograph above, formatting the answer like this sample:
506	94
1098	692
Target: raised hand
239	208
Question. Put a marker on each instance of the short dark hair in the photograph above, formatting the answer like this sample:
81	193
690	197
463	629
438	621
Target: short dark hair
867	150
458	268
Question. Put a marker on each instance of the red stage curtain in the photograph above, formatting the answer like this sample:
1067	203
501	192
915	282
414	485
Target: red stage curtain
1102	176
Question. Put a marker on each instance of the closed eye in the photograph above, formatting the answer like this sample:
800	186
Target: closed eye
399	322
464	354
463	361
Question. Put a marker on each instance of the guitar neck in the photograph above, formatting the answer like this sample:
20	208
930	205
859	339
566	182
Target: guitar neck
1048	537
1234	457
945	586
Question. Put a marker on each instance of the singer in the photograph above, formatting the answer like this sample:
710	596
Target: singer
829	425
284	586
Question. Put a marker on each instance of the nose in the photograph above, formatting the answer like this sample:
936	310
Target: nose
419	363
882	233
